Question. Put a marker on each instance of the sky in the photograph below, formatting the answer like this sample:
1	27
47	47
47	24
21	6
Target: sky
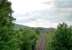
42	13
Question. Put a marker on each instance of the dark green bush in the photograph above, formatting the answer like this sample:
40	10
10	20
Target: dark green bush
63	38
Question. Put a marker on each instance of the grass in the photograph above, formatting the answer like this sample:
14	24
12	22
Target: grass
49	38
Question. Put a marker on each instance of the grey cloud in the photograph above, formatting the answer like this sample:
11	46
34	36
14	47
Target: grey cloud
64	3
52	15
60	13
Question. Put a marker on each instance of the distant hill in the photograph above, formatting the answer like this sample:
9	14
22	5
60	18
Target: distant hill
40	29
18	26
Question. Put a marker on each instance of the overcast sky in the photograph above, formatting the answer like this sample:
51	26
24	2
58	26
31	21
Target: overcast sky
42	13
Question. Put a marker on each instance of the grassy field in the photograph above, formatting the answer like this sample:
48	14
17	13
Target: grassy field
49	38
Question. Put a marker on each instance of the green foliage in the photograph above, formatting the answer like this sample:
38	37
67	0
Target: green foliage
63	38
26	38
6	26
49	39
12	36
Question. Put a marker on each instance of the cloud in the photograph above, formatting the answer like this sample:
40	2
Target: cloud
64	3
41	13
41	23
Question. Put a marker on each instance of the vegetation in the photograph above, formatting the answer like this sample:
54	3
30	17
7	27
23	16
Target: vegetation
6	25
19	37
60	39
49	38
12	36
26	38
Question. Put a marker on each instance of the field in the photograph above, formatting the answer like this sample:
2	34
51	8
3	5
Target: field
49	38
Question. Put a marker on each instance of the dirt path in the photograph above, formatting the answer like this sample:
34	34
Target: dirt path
41	42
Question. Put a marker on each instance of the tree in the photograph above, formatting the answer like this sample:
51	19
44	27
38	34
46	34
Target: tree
6	25
63	38
10	38
27	38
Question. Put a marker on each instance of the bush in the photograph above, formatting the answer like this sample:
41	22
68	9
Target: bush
63	38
